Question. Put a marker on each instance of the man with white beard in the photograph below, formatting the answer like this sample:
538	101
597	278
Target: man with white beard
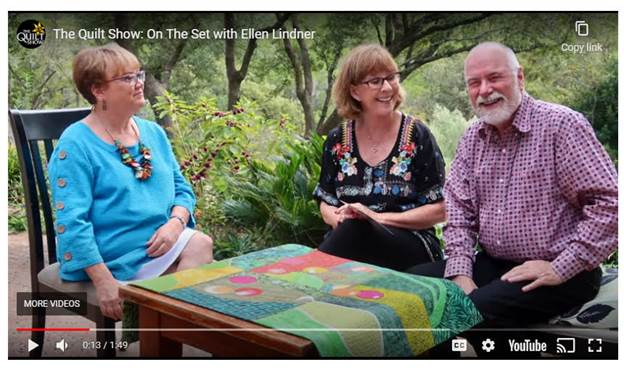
535	190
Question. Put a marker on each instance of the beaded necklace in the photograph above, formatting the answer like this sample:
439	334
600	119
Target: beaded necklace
143	169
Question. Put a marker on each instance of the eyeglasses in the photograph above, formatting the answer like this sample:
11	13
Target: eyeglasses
378	82
130	78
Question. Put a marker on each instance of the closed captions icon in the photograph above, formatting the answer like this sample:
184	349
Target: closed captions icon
459	345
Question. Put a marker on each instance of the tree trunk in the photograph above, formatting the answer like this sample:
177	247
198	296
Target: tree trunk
330	82
332	121
233	75
156	77
234	85
236	76
304	83
152	90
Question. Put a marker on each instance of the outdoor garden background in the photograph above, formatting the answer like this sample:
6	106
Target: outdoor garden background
247	117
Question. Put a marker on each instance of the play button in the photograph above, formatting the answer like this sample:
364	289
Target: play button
32	345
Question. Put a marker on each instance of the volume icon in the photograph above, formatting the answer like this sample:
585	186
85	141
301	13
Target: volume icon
61	345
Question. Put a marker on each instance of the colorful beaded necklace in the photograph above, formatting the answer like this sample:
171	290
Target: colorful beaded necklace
143	169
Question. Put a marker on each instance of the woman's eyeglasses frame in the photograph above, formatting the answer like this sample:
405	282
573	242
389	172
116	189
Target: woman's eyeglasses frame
130	78
377	82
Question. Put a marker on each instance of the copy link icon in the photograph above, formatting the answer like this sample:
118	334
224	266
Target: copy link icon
581	28
487	345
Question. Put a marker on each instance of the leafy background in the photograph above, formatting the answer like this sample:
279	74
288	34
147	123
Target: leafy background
247	117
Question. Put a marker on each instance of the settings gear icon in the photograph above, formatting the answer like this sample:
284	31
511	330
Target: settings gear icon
487	345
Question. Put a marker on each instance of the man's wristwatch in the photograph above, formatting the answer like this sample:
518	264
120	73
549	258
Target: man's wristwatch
179	219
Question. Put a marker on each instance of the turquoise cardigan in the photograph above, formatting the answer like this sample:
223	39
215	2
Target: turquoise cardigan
103	213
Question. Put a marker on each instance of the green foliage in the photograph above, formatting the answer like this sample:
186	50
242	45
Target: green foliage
275	200
601	109
271	104
438	84
447	128
253	175
249	168
206	142
17	222
17	214
612	261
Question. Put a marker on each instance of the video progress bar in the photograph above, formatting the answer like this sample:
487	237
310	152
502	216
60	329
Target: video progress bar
54	329
293	329
225	329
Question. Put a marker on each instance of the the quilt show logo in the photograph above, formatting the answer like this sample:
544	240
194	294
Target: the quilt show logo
31	34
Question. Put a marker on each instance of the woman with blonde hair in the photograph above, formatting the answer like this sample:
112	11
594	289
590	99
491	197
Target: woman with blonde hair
380	188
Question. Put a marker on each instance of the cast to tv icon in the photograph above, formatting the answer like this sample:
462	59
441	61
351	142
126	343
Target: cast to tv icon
566	345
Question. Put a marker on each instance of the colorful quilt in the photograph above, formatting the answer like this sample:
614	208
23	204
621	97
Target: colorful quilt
345	308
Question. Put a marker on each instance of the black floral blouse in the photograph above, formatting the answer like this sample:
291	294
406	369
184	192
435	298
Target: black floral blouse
411	176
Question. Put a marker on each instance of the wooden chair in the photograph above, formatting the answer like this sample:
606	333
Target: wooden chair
35	132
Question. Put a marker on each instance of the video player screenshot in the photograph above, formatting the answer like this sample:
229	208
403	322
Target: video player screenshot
312	185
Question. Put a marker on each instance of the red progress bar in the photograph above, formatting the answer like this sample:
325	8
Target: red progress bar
53	329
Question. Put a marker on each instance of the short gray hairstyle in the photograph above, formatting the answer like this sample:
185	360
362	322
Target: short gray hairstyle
512	60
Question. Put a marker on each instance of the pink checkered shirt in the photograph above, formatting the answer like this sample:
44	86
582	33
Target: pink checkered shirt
546	191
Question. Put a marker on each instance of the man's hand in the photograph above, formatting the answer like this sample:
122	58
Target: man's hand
539	272
466	283
164	238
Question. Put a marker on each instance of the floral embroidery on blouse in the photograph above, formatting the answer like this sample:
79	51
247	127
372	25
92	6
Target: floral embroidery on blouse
345	160
411	176
402	162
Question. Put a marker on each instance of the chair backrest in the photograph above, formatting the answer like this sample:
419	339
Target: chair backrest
35	131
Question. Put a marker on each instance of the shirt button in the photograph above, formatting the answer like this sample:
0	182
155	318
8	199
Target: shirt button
60	228
67	256
62	154
61	183
60	205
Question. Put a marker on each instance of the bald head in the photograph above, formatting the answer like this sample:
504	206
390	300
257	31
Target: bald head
491	49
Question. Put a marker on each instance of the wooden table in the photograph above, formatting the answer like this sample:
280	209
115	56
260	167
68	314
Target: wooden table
159	311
